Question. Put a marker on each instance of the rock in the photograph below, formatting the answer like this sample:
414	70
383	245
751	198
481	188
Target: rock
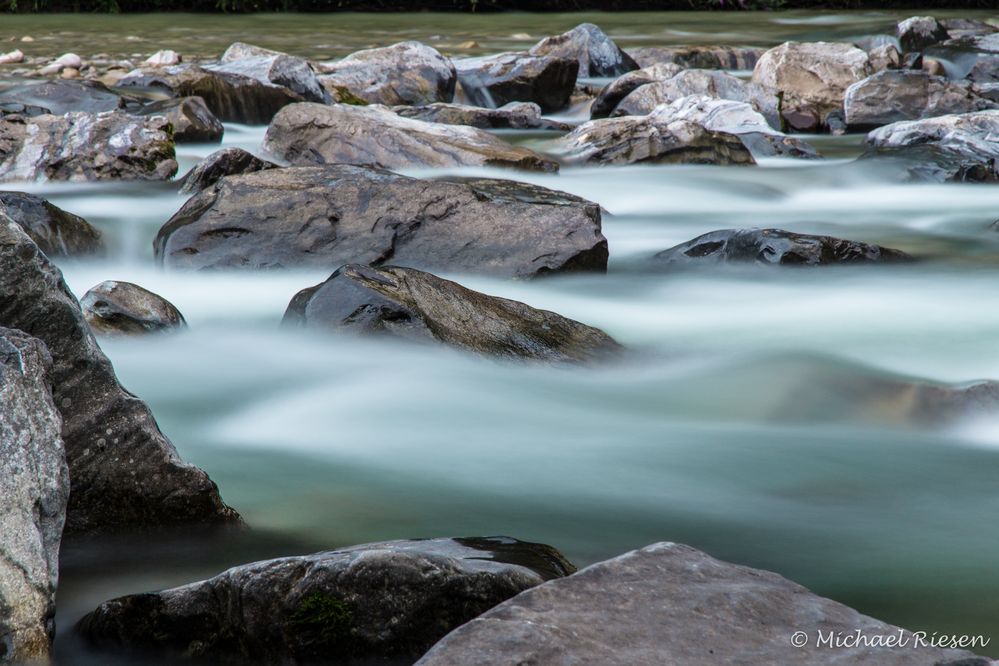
885	57
60	96
62	62
164	58
917	33
84	147
655	138
334	215
190	117
122	308
125	475
963	27
493	81
70	73
56	232
34	488
386	602
404	73
810	80
611	95
702	82
698	57
420	307
306	134
515	115
891	96
272	68
671	604
12	57
596	53
225	162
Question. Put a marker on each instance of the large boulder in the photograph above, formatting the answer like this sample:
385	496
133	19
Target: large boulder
596	53
404	73
702	82
122	308
56	232
611	95
492	81
59	96
810	79
334	215
671	604
891	96
307	134
515	115
418	306
191	119
272	68
698	57
83	146
125	473
772	247
34	488
225	162
917	33
382	602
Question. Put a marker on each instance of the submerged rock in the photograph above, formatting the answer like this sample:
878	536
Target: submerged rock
334	215
123	308
56	232
493	81
515	115
917	33
225	162
306	134
418	306
892	96
375	602
34	487
671	604
404	73
702	82
596	53
698	57
611	95
59	96
191	119
272	68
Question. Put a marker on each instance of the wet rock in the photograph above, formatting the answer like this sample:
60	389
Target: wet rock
515	115
596	53
493	81
698	57
60	96
420	307
124	473
963	27
84	146
306	134
891	96
67	60
885	57
122	308
615	612
334	215
190	117
917	33
34	488
773	247
375	602
810	80
405	73
611	95
701	82
56	232
225	162
272	68
164	58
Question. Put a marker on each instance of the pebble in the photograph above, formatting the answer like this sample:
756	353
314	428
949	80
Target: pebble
164	58
11	57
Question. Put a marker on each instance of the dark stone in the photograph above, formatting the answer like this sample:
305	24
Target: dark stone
493	81
596	53
123	308
61	96
55	232
611	95
225	162
698	57
404	73
190	117
515	115
272	68
917	33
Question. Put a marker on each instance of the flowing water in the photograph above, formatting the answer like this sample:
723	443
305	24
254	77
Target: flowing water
748	421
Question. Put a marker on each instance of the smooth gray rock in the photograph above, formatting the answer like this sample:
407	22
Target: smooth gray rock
420	307
308	134
892	96
334	215
122	308
401	74
702	82
56	232
596	53
34	488
671	604
885	57
917	33
59	96
225	162
272	68
611	95
191	119
698	57
378	603
964	27
515	115
493	81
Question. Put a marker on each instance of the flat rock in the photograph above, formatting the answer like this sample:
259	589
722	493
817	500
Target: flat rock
307	134
892	96
56	232
917	33
418	306
596	53
59	96
272	68
671	604
515	115
611	95
376	602
34	488
225	162
122	308
493	81
698	57
191	119
407	73
339	214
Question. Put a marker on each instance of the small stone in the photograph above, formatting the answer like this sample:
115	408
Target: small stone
471	44
164	58
27	38
70	73
11	57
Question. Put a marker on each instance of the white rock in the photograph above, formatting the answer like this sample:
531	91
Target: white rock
164	58
13	56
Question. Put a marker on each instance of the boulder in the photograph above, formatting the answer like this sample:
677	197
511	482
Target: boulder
272	68
59	96
56	232
515	115
492	81
405	73
810	80
122	308
773	247
698	57
125	474
611	95
83	146
191	119
671	604
225	162
702	82
382	602
917	33
339	214
892	96
596	53
964	27
34	488
417	306
307	134
885	57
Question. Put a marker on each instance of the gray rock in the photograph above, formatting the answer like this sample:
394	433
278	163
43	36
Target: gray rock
122	308
885	57
418	306
405	73
611	95
671	604
307	134
515	115
225	162
34	488
380	601
60	96
56	232
191	119
596	53
702	82
334	215
124	473
493	81
272	68
698	57
892	96
917	33
964	27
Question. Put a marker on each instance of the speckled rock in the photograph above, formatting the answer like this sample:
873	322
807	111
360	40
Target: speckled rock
225	162
515	115
698	57
611	95
892	96
56	232
493	81
59	96
917	33
701	82
596	53
404	73
115	308
272	68
191	119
